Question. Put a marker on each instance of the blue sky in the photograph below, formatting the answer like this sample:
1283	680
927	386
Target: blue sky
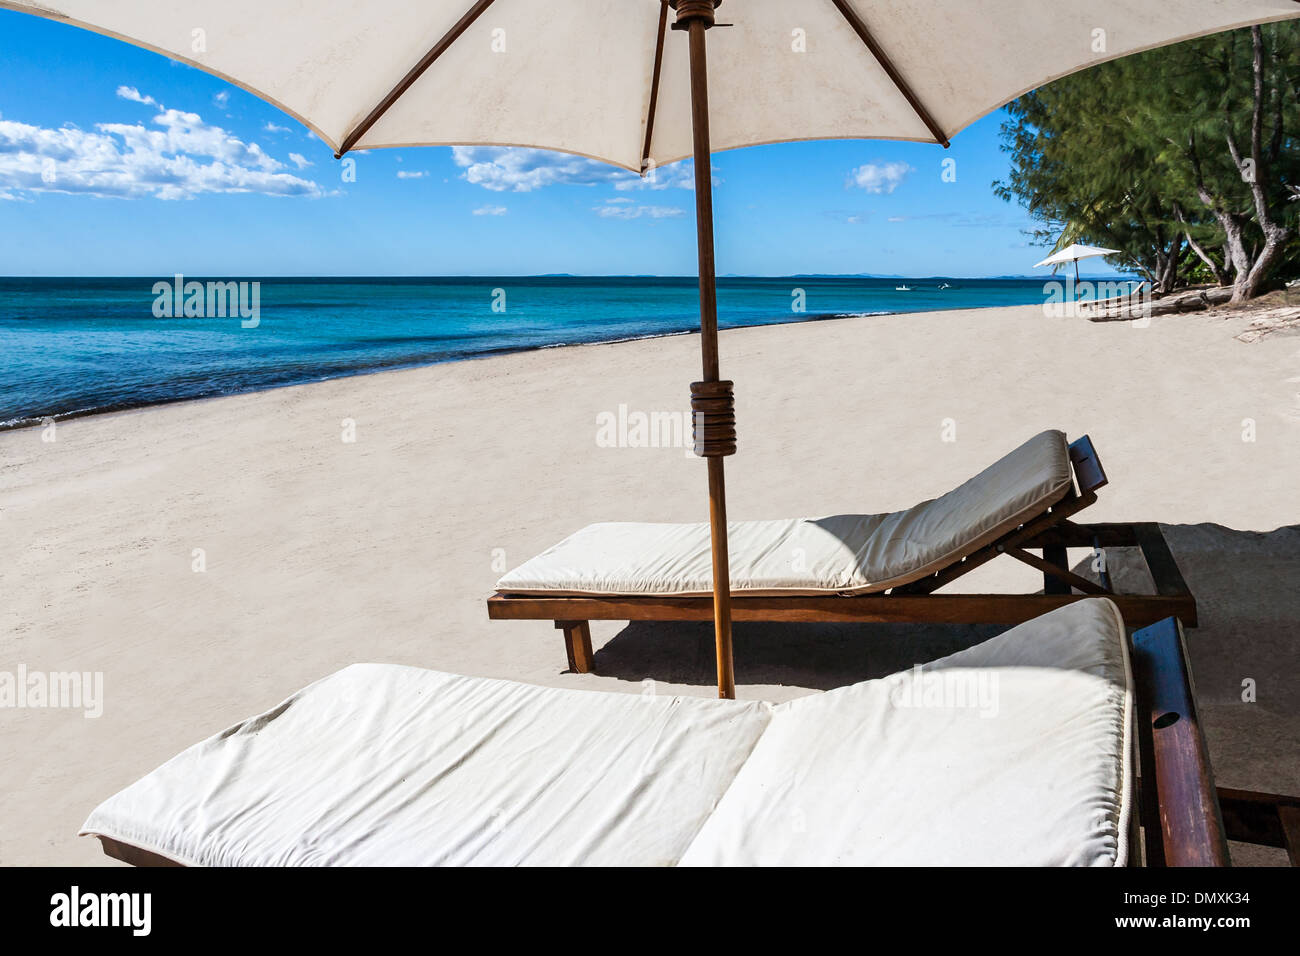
117	161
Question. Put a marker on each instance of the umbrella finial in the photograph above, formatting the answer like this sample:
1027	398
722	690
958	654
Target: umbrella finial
688	10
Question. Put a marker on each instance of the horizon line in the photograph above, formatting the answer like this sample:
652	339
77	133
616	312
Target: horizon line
557	275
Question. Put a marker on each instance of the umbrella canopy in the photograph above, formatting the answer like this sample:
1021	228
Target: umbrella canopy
607	80
1073	253
578	75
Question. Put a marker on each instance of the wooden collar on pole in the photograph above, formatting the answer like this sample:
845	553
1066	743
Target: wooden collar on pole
711	399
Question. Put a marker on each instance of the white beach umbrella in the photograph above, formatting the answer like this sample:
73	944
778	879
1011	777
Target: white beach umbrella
1073	253
608	79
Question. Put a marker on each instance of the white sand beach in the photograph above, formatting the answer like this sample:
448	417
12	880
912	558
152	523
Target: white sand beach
319	552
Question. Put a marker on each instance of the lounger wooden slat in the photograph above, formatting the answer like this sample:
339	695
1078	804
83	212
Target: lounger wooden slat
134	855
1052	533
1290	817
861	608
1179	805
1155	551
1057	579
1266	819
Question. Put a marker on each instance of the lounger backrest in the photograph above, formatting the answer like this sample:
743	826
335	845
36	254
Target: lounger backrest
1021	485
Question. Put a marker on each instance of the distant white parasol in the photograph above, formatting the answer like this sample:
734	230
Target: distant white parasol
1073	253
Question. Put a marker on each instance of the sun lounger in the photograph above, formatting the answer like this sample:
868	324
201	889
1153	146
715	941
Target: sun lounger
1015	751
868	568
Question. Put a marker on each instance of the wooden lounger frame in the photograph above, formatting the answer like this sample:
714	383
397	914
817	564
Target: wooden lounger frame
1051	533
1183	816
1186	820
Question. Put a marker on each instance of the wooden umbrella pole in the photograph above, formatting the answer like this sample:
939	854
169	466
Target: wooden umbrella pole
712	403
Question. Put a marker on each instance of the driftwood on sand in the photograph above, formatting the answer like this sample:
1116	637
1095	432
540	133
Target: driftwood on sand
1124	308
1277	311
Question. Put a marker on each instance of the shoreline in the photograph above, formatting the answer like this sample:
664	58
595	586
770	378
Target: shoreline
38	421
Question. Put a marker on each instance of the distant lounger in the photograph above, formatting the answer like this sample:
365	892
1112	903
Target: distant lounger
866	568
1024	749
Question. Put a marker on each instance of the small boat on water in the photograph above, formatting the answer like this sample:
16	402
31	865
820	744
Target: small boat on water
945	286
902	288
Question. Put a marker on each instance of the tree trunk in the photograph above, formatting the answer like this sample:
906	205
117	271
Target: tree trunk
1275	241
1164	276
1220	273
1169	277
1235	251
1251	267
1254	269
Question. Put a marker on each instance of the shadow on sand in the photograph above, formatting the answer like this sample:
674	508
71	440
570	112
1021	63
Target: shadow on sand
817	656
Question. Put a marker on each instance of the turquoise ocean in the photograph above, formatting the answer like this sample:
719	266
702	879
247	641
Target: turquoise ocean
78	346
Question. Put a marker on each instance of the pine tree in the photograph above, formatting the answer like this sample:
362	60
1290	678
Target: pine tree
1183	157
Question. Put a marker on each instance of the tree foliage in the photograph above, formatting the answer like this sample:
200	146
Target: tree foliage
1185	158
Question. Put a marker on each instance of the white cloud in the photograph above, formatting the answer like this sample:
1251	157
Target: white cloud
299	160
523	169
134	95
879	177
274	128
490	211
177	157
411	174
897	219
623	209
221	99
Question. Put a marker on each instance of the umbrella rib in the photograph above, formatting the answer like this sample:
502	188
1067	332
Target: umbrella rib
860	28
654	83
412	75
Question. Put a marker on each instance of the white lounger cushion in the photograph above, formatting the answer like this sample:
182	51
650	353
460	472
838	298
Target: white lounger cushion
390	765
1014	752
382	764
837	554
